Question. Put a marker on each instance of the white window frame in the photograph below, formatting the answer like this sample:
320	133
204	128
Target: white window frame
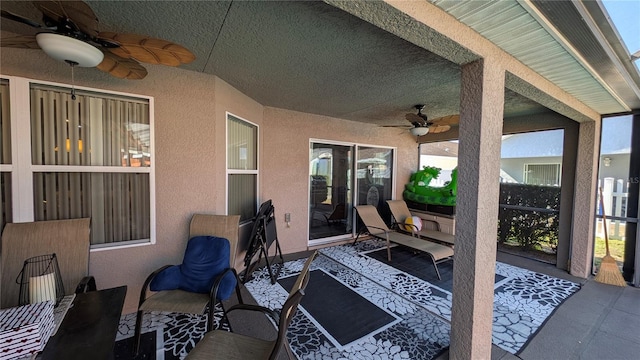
255	172
526	172
22	168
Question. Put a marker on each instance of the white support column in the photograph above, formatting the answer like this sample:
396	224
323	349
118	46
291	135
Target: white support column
481	115
584	203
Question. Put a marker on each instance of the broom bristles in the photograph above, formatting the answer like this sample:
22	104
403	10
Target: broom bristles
609	272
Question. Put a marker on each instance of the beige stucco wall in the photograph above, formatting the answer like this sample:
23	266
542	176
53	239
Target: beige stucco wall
190	147
285	162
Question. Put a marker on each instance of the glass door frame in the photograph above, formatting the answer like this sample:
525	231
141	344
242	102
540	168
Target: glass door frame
631	263
354	187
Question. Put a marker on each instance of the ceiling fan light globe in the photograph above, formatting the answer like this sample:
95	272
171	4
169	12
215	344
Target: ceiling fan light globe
68	49
419	131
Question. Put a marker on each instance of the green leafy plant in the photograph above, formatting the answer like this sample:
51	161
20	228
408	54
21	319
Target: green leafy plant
528	216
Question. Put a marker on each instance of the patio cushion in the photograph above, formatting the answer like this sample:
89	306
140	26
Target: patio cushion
205	258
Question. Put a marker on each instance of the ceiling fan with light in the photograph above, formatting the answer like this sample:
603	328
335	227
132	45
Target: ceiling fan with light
69	32
422	125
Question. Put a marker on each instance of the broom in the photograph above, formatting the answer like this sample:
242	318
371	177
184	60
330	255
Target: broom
609	273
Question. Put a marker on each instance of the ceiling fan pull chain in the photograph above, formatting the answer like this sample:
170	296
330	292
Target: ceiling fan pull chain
73	81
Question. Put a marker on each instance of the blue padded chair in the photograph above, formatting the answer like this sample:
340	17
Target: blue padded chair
205	277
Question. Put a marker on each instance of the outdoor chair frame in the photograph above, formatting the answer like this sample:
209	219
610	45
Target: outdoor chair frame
377	228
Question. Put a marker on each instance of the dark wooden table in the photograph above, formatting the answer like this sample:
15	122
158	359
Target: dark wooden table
89	328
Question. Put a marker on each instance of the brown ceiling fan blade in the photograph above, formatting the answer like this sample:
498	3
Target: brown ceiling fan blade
19	41
122	68
149	50
414	118
398	126
435	129
405	127
78	11
447	120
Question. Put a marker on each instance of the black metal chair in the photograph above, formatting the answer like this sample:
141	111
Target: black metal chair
180	301
220	344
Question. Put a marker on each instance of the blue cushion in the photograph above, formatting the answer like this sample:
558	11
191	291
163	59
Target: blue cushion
167	279
205	258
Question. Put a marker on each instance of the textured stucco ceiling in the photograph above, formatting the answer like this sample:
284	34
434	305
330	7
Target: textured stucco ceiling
303	56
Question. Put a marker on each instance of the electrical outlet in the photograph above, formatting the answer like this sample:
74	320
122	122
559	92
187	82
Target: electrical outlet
287	217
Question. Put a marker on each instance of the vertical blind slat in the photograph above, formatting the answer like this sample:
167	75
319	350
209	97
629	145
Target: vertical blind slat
5	154
5	124
60	127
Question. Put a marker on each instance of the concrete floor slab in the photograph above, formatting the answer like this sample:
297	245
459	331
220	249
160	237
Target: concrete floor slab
610	347
628	301
622	324
559	338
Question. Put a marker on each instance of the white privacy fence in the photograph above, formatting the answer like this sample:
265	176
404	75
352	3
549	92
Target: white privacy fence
615	193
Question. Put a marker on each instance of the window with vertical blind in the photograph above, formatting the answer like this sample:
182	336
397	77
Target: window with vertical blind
542	174
5	155
89	157
242	168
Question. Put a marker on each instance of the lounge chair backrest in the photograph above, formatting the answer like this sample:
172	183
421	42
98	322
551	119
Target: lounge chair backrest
68	239
399	210
371	219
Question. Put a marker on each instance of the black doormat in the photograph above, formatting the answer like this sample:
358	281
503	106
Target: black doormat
419	265
344	314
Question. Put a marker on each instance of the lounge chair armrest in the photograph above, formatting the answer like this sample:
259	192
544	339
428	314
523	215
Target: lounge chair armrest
88	283
414	230
435	222
386	232
145	286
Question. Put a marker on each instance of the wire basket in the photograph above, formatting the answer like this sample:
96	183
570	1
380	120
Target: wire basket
40	280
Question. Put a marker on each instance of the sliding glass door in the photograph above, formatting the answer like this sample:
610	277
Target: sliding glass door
330	191
333	189
375	178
